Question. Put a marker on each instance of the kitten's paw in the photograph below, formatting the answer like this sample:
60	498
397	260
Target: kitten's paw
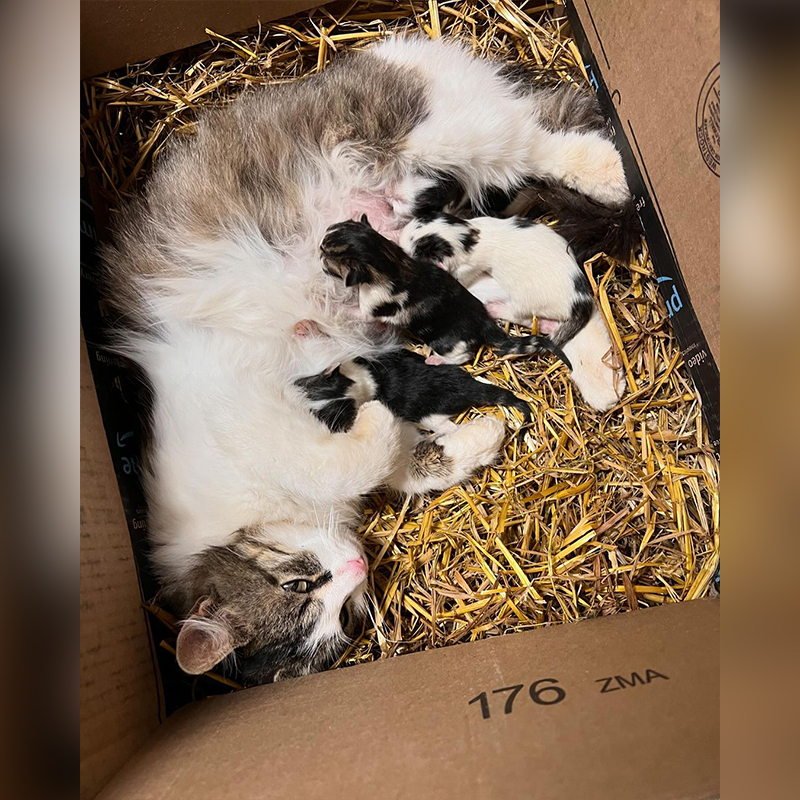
434	360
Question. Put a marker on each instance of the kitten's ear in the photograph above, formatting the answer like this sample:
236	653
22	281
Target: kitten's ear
204	640
365	220
354	277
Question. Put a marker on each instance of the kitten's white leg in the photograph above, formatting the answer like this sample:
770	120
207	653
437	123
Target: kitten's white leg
351	464
486	289
466	274
436	465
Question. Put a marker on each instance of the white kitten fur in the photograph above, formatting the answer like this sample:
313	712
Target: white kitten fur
532	263
591	352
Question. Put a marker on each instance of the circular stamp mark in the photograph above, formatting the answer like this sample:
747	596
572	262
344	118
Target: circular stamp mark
707	121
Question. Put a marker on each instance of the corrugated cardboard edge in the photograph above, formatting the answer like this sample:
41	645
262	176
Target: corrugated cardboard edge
117	33
616	57
616	708
118	686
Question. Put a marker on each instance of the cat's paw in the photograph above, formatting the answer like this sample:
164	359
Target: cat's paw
600	385
474	444
597	171
375	420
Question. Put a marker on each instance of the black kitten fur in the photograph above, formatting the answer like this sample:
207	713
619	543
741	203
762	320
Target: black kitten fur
427	301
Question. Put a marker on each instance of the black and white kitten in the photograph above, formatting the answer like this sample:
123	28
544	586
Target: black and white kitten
418	296
407	386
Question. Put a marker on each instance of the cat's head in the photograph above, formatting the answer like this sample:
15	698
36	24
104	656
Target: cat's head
440	239
357	254
271	609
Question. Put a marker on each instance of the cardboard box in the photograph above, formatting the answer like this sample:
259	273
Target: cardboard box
623	707
656	69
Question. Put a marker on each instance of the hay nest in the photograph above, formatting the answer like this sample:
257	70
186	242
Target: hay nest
588	514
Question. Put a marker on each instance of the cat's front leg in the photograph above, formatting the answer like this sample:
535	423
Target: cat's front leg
349	465
434	465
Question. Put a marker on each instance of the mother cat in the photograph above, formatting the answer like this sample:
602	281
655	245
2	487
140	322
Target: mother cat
252	500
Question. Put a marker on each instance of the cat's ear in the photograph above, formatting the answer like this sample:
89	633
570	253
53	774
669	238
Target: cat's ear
365	219
204	639
293	670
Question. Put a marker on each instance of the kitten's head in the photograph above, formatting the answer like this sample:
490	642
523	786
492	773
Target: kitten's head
356	253
331	384
440	239
274	610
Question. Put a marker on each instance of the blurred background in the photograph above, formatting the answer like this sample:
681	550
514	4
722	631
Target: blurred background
760	216
39	428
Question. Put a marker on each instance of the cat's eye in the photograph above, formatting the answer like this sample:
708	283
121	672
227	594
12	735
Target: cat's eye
344	617
300	586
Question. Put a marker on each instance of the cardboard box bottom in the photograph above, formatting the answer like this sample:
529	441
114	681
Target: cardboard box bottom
623	707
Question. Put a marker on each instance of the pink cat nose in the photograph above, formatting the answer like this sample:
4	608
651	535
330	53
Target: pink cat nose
357	565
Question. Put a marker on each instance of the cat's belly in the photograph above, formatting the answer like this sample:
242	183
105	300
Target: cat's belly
378	210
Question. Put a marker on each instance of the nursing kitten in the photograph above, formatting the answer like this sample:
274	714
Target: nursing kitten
532	263
519	268
426	395
212	267
414	295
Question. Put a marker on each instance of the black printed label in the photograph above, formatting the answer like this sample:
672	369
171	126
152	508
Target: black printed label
550	692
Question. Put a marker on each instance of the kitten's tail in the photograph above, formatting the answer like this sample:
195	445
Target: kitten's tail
524	345
589	227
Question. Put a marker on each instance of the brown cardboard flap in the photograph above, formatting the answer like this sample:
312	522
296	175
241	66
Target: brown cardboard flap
622	708
117	33
119	698
660	62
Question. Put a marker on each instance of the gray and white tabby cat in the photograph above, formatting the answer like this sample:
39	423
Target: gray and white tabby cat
253	501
